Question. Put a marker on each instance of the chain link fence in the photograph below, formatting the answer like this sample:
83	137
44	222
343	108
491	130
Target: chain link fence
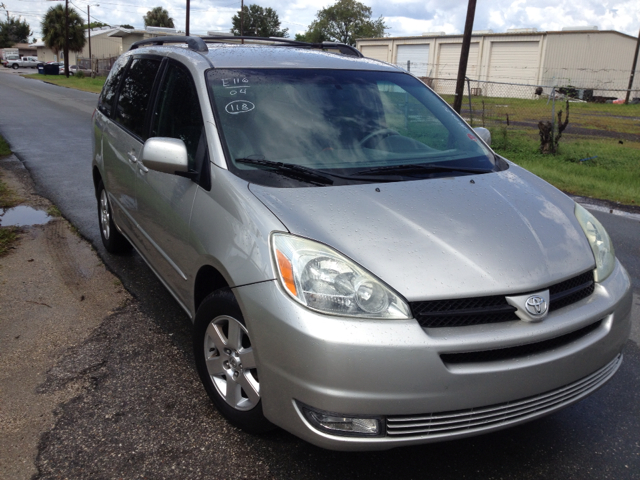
101	66
516	109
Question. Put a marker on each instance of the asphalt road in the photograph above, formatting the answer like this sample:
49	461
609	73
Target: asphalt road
147	414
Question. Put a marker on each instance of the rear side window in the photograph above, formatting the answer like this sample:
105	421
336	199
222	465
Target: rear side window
135	92
105	103
177	113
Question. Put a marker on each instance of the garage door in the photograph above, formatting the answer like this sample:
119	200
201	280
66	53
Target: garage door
377	52
448	63
514	62
415	58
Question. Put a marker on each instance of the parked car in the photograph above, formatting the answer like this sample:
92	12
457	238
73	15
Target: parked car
8	60
73	69
361	268
16	62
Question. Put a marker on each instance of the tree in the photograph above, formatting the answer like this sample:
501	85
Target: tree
14	31
53	31
258	22
302	37
343	22
158	17
127	26
93	25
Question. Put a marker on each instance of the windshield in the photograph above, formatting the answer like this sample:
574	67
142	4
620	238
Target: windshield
349	126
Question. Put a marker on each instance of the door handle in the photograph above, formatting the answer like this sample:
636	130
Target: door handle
132	156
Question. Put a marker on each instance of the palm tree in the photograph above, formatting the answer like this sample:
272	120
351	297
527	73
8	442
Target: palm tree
158	17
53	32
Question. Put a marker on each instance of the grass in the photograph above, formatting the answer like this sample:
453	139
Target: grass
8	235
614	173
86	84
4	148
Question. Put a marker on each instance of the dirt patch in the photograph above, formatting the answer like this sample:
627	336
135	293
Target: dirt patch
579	132
54	292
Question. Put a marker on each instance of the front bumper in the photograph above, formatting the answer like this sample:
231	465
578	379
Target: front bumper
393	368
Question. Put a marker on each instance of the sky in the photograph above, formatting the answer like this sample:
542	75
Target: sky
403	17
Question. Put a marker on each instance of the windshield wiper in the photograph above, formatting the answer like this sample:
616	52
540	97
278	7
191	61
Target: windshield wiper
410	168
297	172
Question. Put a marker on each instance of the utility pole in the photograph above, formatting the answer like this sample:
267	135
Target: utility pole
633	70
464	55
242	19
188	8
89	35
66	38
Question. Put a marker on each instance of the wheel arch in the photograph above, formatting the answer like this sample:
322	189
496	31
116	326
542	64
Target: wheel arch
96	179
208	280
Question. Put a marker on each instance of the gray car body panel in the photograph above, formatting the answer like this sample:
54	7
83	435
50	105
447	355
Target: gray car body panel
430	239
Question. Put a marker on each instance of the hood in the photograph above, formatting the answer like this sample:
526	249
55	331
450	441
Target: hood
497	233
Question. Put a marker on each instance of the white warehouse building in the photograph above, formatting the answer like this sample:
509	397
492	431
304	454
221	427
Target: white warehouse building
582	57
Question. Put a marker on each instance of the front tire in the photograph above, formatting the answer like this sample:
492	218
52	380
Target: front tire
226	362
112	239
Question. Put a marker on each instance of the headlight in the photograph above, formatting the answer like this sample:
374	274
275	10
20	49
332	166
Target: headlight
324	280
600	243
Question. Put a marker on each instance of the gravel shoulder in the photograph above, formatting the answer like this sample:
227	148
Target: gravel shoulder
54	292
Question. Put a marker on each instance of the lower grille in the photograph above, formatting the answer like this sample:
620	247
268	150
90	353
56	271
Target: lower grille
520	350
461	422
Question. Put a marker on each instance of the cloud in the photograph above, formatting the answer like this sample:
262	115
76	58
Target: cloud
404	17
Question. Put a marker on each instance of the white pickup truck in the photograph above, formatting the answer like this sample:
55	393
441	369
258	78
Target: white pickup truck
15	62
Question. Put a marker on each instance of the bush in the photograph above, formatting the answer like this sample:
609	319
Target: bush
79	74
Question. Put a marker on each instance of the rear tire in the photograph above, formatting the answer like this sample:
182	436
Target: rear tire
112	239
226	363
14	66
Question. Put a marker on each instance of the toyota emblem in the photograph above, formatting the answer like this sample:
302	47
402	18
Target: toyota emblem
536	305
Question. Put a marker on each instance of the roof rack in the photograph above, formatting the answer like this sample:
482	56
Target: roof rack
285	42
194	43
198	44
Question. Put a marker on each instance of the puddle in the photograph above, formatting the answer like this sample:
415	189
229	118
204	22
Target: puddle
22	216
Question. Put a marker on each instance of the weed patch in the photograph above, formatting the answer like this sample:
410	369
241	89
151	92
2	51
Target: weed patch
4	148
53	211
8	236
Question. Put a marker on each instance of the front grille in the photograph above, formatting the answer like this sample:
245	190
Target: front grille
571	291
519	351
475	420
462	312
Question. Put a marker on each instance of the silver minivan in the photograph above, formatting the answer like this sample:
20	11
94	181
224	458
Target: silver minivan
361	268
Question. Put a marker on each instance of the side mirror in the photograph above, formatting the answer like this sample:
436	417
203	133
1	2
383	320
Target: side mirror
166	155
484	134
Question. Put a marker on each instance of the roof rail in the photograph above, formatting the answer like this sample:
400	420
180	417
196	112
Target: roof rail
194	43
285	42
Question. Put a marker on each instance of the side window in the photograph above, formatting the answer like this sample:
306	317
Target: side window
131	108
105	103
409	117
177	113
